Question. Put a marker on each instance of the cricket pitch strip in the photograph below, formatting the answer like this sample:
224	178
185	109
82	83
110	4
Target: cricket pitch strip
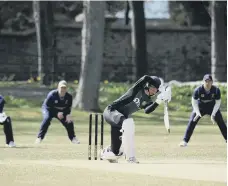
196	170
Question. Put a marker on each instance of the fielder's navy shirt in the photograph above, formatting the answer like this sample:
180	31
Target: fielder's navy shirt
206	99
55	103
2	102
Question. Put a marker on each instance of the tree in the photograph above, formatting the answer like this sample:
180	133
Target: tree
36	12
46	40
92	56
189	13
138	37
219	40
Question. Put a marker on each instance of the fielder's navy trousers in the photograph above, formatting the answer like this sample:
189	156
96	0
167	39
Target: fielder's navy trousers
8	130
191	124
47	117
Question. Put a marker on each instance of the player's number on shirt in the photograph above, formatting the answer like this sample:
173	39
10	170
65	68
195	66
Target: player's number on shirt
137	102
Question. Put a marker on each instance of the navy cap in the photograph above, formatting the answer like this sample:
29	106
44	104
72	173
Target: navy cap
207	77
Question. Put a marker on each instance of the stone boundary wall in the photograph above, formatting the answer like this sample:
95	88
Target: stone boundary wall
180	53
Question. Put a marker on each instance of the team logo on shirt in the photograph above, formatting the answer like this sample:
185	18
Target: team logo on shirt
56	101
212	95
66	101
202	95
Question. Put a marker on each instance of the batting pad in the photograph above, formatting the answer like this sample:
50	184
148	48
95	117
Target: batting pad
128	137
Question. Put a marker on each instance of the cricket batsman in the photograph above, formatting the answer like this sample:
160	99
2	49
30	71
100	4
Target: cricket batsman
147	93
58	105
206	100
7	124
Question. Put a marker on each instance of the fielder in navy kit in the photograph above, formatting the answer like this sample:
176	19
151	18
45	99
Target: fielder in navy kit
206	100
58	105
7	124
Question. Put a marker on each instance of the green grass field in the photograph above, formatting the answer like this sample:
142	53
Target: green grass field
57	162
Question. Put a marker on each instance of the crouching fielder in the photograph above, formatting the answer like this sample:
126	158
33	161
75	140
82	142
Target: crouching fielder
7	124
206	100
147	93
58	105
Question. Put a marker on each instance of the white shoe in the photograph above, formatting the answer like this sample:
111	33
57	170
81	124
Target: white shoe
183	144
132	160
11	144
107	154
38	140
121	153
75	141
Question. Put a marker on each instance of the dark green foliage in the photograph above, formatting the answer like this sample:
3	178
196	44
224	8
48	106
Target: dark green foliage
181	96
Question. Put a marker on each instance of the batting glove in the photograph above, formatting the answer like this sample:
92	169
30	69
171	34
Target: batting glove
213	119
167	96
159	98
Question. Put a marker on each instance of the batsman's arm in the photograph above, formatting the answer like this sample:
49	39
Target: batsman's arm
147	104
151	108
2	103
131	93
67	110
142	81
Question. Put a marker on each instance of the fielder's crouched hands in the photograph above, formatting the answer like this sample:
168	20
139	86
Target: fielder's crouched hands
68	118
198	115
213	119
60	115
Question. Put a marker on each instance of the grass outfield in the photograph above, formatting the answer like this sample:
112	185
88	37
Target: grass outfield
57	162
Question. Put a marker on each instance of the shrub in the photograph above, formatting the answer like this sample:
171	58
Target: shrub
181	96
109	91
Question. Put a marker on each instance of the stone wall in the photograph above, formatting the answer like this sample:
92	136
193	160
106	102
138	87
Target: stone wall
182	54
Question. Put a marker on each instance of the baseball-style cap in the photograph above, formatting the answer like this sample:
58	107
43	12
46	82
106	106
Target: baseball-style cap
207	77
62	83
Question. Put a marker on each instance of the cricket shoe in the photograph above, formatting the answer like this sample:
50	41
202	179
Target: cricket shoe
38	141
11	144
75	141
132	160
183	144
107	154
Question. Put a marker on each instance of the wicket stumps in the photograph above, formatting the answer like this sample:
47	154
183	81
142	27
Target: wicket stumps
95	134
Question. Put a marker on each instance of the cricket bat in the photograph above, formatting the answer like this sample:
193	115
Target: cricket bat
166	117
